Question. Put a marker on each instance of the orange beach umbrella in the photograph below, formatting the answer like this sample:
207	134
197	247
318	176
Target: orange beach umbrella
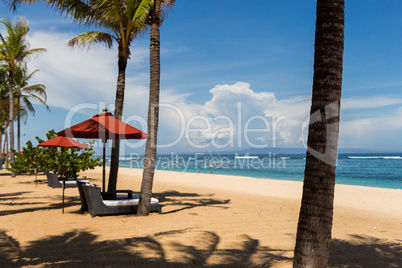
105	127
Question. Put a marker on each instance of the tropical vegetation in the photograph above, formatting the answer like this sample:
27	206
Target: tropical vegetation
3	109
24	95
68	162
121	22
14	51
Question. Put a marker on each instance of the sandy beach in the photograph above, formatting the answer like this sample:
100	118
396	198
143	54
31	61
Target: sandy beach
207	220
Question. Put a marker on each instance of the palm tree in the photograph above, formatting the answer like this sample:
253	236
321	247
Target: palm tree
3	108
14	49
155	19
316	212
3	129
4	113
122	22
26	93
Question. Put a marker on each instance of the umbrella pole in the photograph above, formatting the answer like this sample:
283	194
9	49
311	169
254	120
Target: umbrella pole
104	168
61	163
63	181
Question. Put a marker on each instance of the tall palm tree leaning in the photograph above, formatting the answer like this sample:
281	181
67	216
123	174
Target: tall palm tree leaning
14	50
316	212
155	19
124	20
24	94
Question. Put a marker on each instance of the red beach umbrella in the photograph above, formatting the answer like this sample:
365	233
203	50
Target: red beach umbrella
103	126
63	142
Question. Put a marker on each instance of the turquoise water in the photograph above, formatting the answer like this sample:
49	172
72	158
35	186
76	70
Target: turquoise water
374	170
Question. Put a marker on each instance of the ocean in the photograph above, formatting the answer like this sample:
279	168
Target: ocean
374	170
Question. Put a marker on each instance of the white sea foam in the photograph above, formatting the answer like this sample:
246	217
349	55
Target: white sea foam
375	157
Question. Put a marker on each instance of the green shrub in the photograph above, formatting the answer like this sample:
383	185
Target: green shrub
41	159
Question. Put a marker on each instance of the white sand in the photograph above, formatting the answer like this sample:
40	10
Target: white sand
207	220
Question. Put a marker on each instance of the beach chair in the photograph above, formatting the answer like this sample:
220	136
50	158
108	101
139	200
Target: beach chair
97	206
53	180
115	195
49	182
84	204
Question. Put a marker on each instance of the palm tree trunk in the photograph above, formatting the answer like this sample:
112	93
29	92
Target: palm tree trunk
11	117
1	141
316	212
144	204
119	102
5	139
1	148
6	148
19	129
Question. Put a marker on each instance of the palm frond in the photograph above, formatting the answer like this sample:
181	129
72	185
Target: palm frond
111	13
80	11
138	15
14	4
14	48
166	8
38	89
22	112
29	76
92	38
25	93
38	100
27	105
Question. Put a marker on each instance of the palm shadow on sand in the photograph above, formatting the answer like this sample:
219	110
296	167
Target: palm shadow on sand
180	201
81	249
183	248
14	200
365	252
189	200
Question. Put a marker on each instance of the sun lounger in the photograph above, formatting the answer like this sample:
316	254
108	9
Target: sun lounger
48	178
115	195
98	206
53	181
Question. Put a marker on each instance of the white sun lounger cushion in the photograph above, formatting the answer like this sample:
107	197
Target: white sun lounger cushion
70	183
127	202
73	182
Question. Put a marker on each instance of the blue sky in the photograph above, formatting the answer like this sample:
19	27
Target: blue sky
234	75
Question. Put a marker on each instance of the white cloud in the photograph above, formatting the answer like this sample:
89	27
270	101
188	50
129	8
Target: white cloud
73	76
289	115
226	97
369	102
232	109
382	131
89	76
